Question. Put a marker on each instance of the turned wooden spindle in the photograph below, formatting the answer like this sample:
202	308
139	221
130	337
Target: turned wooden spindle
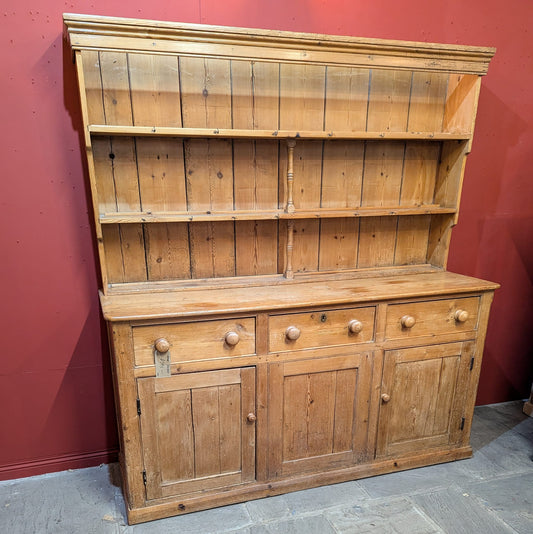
291	143
290	245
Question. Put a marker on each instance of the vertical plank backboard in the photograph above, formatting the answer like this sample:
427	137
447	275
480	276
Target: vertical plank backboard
428	96
266	96
377	239
167	251
256	247
412	239
382	176
155	94
346	99
93	86
420	173
388	105
339	241
342	174
302	92
116	88
161	174
205	92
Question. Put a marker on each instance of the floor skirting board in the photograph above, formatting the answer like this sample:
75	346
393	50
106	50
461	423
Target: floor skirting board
59	463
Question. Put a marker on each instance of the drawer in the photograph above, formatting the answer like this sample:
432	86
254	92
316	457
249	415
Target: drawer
198	340
430	318
297	331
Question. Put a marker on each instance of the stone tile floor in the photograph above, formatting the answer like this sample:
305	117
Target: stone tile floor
489	493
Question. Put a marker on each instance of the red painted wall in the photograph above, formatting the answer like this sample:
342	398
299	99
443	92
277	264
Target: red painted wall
56	407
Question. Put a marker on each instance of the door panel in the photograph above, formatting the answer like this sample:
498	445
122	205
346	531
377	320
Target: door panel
423	391
195	431
319	413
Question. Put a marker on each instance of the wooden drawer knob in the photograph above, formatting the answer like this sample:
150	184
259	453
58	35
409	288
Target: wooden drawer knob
231	338
251	417
355	326
162	345
461	316
292	333
385	397
408	321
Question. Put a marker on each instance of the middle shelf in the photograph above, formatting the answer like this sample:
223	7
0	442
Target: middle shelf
249	215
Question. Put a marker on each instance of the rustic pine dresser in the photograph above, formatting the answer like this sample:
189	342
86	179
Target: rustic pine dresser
273	214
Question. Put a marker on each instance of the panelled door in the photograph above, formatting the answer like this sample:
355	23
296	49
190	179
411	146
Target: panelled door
422	397
198	431
318	413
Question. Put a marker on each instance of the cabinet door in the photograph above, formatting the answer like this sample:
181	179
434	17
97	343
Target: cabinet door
198	431
423	393
318	413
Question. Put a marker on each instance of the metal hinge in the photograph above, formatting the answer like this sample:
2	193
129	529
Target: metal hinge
144	478
462	424
138	406
472	363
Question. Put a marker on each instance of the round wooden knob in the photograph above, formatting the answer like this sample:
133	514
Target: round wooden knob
162	345
408	321
292	333
355	326
251	417
461	316
385	397
231	338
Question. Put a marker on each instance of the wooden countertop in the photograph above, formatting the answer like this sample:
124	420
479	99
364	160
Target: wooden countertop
185	302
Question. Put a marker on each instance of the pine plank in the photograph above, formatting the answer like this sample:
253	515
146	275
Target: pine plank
295	404
420	173
167	251
377	239
155	90
320	413
116	88
306	245
428	97
242	94
205	92
266	95
412	240
302	92
346	98
161	174
388	104
346	388
206	423
93	86
342	174
339	242
382	174
175	443
104	178
256	248
230	428
212	249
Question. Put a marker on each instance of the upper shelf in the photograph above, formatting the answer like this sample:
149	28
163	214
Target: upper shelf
144	131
